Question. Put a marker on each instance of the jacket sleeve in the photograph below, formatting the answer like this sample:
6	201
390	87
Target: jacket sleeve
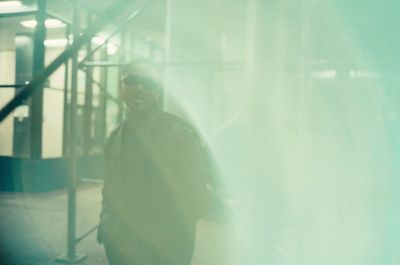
104	214
107	157
190	172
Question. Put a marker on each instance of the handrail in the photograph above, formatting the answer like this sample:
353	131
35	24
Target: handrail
41	77
12	85
104	64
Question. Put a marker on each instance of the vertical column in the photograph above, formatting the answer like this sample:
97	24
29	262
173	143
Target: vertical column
103	98
22	115
124	56
71	226
67	100
88	107
37	97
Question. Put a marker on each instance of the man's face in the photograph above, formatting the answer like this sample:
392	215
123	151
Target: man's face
139	93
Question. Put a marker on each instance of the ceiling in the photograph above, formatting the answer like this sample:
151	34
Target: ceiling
150	24
336	27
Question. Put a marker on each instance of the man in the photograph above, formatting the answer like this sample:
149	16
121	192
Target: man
155	183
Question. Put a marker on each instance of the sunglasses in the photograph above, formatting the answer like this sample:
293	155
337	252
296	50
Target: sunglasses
136	81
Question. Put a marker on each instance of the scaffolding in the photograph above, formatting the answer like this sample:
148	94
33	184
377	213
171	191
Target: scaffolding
33	89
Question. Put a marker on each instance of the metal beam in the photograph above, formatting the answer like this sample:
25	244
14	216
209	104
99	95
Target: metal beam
37	97
66	101
24	43
88	105
12	85
103	99
71	226
103	64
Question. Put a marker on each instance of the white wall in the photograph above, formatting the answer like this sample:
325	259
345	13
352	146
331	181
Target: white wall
53	110
7	76
52	123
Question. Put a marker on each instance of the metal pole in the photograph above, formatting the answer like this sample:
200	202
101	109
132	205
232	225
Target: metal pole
66	101
27	91
103	64
125	39
88	106
103	99
72	148
37	97
11	86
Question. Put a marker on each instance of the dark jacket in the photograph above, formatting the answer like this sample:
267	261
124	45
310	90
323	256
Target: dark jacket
156	178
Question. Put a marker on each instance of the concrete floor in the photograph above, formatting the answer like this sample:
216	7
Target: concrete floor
33	230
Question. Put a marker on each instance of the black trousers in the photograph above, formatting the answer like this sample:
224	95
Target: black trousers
169	247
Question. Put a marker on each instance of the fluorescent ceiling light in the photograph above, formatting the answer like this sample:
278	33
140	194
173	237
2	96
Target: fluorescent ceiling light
50	23
55	42
10	4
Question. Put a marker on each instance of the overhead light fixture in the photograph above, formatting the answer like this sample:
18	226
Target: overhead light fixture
49	23
9	4
55	42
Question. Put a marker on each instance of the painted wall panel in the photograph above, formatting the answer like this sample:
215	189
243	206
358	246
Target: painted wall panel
52	123
7	76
